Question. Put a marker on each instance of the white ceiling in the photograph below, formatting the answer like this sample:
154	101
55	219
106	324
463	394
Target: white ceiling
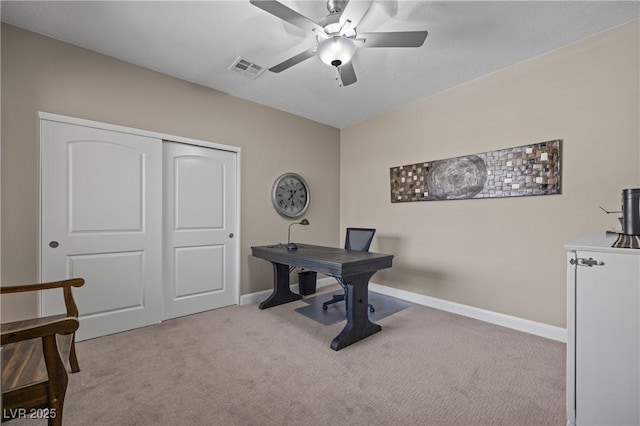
198	41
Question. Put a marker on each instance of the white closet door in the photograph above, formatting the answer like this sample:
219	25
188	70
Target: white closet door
101	220
200	209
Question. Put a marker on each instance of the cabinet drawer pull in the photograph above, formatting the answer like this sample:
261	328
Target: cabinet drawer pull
581	261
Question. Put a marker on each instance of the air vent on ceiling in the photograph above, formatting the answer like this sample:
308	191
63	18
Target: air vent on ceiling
246	68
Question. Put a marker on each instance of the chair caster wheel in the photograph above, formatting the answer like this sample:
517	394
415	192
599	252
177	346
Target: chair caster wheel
371	309
324	308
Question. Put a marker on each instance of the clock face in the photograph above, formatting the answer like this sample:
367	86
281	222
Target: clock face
290	195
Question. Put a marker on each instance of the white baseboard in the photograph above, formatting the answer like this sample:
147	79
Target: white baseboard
521	324
532	327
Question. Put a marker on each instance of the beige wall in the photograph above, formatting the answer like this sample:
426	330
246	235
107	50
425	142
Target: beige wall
41	74
505	255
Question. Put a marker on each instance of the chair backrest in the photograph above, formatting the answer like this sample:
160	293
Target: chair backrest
359	238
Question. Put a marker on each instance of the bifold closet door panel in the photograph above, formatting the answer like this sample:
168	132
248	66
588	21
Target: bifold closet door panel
200	229
101	203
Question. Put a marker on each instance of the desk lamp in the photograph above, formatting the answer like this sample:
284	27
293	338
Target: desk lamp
290	245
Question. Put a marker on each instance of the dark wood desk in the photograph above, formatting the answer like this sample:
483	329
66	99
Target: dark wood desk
354	267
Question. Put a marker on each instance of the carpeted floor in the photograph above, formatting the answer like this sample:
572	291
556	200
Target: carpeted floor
243	366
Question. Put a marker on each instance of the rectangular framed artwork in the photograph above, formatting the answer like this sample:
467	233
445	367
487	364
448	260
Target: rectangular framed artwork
513	172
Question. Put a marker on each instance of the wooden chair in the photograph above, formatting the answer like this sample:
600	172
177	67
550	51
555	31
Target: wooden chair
34	354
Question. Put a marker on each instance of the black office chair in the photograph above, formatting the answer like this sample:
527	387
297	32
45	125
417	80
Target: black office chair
357	239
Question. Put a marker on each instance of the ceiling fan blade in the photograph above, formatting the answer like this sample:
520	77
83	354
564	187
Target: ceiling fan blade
395	39
289	15
353	13
347	74
294	60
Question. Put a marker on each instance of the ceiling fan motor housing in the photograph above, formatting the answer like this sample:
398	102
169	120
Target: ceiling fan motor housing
335	6
331	24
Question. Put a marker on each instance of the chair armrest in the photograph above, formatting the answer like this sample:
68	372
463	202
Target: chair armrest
72	282
72	308
60	326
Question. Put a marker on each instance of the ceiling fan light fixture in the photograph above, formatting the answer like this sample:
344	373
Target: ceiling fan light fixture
336	51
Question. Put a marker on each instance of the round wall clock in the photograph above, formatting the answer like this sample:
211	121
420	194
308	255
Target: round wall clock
290	195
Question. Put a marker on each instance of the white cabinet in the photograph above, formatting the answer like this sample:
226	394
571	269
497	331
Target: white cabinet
603	323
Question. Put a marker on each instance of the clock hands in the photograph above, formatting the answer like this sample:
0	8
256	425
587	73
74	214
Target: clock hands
291	196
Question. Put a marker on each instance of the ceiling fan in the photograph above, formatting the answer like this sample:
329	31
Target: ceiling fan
337	36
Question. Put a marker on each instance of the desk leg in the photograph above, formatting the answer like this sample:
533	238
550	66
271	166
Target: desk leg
358	325
281	291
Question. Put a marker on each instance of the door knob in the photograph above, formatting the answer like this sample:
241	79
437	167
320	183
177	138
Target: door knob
230	235
53	244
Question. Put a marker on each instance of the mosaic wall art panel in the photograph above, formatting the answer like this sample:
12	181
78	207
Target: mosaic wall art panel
512	172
